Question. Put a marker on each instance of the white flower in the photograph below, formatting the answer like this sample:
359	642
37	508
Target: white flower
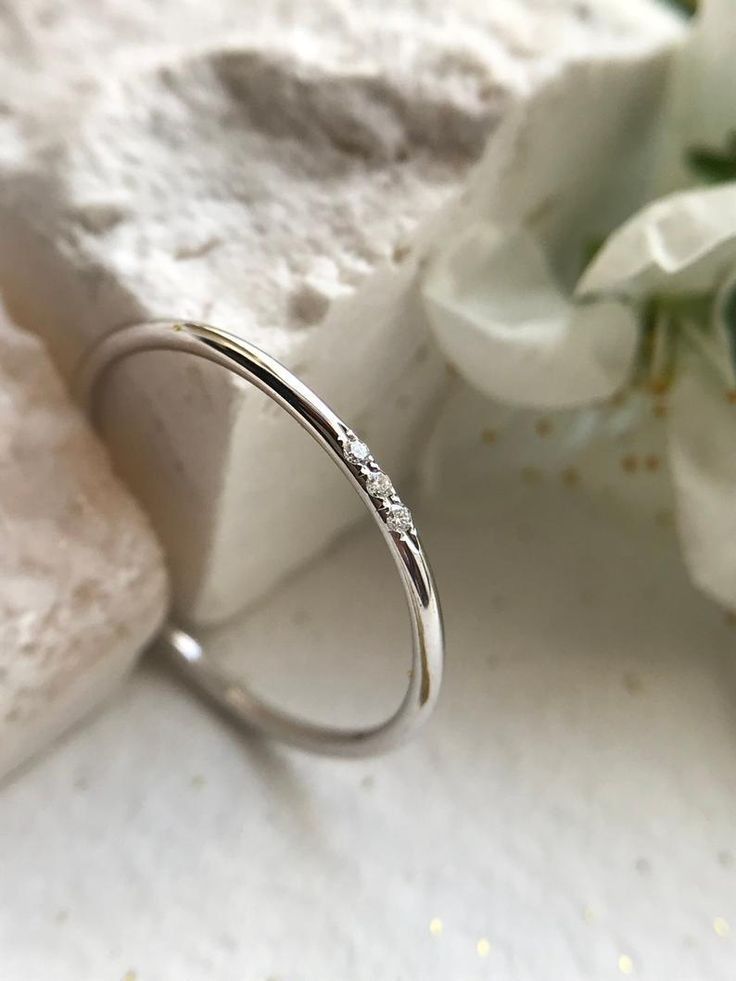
526	319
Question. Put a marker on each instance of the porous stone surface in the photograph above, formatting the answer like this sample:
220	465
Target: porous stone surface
278	174
82	582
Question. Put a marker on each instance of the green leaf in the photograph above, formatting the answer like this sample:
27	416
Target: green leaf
661	317
591	248
686	7
712	165
727	313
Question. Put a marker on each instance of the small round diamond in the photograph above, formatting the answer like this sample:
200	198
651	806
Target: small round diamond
379	484
356	452
399	518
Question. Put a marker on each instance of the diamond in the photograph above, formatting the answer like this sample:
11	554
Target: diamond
399	518
357	452
379	484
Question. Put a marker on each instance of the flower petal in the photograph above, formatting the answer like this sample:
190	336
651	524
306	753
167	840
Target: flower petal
567	164
700	115
501	318
702	445
679	244
574	150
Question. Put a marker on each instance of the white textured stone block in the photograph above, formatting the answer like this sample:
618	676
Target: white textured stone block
275	182
82	584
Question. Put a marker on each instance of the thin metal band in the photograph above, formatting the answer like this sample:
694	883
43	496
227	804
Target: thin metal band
357	464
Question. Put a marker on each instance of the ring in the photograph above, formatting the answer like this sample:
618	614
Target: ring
373	486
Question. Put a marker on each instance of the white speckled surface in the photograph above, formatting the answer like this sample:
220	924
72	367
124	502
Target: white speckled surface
572	802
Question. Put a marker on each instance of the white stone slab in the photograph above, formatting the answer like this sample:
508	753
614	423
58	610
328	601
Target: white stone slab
82	584
271	173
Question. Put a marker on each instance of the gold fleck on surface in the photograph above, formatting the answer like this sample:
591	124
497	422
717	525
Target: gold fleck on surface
730	618
633	684
236	695
546	206
490	89
721	927
652	462
731	397
489	436
643	866
400	252
130	976
483	947
422	353
630	463
436	926
625	964
531	475
590	915
544	427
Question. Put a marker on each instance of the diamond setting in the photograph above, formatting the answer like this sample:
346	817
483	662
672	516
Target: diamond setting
399	518
357	452
379	484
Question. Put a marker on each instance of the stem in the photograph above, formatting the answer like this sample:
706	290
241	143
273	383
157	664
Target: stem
698	342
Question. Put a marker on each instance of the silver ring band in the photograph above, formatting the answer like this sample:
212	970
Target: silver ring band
373	486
